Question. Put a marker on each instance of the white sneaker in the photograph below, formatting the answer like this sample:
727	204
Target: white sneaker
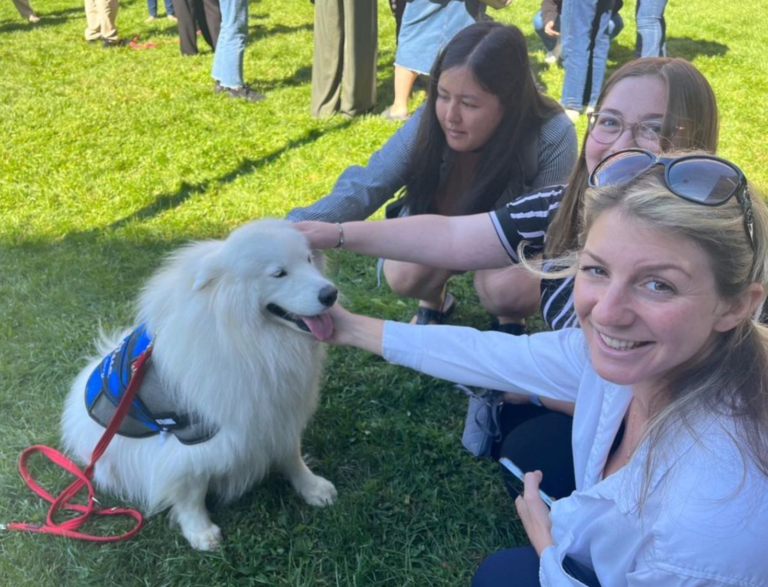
550	58
553	56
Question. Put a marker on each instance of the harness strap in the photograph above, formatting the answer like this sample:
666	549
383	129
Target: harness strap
70	527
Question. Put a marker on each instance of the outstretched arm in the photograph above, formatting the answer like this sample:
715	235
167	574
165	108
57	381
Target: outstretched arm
355	330
361	190
460	243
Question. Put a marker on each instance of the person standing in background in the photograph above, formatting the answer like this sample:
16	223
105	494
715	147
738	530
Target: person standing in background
230	50
427	27
197	15
585	42
651	28
344	64
152	9
100	16
26	12
546	23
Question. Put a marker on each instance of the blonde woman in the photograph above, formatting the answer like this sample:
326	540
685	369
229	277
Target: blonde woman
668	374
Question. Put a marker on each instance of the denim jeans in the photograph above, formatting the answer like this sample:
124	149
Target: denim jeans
152	8
615	26
585	42
651	28
228	59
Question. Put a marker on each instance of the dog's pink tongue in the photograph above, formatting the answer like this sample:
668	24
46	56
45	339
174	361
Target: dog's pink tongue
321	326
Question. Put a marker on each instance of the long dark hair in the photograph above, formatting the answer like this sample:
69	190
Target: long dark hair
691	122
497	56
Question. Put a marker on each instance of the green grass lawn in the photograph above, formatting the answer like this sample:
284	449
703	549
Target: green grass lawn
110	159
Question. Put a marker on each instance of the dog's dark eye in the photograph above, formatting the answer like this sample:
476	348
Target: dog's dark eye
280	273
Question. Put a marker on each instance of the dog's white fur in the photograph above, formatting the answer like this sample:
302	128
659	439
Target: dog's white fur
223	355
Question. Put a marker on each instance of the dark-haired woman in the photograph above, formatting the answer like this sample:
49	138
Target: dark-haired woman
485	137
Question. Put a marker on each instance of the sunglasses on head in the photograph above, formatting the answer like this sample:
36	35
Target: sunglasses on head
702	179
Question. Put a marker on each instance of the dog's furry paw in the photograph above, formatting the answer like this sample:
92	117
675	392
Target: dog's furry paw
320	492
207	539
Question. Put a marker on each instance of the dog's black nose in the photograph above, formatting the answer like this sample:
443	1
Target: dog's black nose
328	295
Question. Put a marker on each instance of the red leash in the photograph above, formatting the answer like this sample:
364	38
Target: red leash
71	526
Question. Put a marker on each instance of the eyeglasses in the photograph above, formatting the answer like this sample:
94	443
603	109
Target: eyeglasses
702	179
605	128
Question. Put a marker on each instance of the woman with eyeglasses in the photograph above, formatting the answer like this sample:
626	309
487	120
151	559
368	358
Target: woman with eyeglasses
656	104
668	373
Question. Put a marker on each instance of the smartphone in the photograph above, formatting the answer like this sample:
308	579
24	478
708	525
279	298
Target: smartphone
515	470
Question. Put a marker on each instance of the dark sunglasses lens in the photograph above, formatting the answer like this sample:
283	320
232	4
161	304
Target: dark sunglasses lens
620	168
703	180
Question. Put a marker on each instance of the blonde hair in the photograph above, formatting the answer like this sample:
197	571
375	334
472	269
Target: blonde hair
730	379
690	122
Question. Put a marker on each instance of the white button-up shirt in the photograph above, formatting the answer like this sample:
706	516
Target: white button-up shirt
704	520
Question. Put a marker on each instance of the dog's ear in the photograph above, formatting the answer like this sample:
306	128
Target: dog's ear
208	271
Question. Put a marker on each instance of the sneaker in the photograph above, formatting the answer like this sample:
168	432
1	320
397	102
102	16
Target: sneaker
172	18
150	18
553	56
110	44
243	93
33	18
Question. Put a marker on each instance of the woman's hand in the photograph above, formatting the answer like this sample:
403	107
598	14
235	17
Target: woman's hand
550	29
356	330
321	235
534	513
343	324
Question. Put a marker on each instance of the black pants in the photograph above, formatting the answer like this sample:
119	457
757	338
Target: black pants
397	7
535	438
197	14
519	567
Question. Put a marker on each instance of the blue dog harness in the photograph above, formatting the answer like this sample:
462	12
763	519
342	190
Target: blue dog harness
152	411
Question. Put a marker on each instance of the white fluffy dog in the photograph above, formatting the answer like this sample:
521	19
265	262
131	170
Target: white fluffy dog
234	325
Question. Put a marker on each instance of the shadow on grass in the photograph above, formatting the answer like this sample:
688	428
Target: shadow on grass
689	48
169	201
257	31
47	19
301	76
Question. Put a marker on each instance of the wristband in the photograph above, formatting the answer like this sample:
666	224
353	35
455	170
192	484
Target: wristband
341	236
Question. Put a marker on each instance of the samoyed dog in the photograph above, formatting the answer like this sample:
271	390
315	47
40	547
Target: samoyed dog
232	380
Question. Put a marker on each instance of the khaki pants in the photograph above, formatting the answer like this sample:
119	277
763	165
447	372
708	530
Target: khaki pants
25	10
100	18
344	68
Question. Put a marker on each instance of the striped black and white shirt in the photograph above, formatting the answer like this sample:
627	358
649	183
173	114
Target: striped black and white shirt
526	220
